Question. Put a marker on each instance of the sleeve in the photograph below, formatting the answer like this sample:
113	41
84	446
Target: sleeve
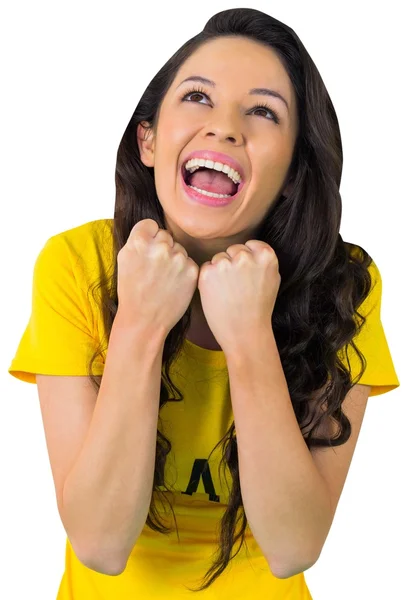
372	343
58	339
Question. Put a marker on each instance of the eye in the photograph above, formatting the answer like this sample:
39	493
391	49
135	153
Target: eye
195	91
265	107
268	109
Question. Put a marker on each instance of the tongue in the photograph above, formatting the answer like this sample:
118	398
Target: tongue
213	181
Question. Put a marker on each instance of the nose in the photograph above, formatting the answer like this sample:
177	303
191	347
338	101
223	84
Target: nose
225	127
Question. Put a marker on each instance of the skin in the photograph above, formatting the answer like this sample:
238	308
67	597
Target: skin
225	121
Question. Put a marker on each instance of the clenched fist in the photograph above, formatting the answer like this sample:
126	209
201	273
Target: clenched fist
156	277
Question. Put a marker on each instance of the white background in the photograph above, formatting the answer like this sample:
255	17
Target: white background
72	74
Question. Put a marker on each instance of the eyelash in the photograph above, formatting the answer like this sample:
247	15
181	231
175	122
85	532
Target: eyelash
199	90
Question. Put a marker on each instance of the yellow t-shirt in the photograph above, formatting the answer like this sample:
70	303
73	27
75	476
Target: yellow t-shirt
63	330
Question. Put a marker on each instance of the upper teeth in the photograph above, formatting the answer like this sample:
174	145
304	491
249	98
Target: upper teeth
195	163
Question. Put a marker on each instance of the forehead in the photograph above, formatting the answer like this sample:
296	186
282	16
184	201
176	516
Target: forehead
243	62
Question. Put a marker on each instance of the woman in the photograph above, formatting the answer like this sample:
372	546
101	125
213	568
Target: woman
222	320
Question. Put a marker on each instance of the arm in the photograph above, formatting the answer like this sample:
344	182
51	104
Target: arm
107	493
285	498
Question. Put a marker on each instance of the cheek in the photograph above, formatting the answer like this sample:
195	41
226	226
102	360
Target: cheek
175	138
176	128
275	169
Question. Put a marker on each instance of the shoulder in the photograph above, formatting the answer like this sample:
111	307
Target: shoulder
97	232
86	248
372	295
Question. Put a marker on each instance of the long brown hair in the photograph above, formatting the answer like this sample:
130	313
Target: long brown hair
322	282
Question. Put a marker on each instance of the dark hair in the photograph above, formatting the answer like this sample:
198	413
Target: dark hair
323	281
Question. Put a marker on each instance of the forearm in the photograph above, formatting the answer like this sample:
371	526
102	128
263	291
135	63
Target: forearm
285	498
108	491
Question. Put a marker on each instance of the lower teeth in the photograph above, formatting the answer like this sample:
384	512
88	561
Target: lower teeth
211	194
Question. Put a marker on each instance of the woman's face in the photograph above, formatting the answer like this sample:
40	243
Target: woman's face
222	118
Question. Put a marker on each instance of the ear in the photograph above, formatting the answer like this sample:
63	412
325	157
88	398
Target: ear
145	141
288	189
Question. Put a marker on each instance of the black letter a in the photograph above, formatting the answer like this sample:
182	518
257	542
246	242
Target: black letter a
201	469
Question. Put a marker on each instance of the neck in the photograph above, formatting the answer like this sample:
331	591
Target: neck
196	306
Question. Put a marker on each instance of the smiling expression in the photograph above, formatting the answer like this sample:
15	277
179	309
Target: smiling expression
258	130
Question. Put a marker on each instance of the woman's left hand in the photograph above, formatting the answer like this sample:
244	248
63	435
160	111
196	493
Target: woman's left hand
238	290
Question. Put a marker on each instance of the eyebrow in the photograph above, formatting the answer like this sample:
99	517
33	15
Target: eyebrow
253	91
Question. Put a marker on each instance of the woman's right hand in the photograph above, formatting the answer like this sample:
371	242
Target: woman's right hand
156	277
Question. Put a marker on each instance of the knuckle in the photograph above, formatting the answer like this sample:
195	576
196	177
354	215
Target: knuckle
178	248
161	248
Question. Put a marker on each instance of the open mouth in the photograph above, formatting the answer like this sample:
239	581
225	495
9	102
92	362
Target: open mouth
187	175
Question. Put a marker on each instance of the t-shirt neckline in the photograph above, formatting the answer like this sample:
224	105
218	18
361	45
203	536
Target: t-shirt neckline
215	358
